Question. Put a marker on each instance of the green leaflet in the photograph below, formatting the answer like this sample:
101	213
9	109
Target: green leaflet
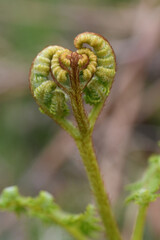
96	91
58	105
44	207
145	191
51	99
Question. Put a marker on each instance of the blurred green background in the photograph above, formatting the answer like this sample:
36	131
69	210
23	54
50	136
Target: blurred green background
34	153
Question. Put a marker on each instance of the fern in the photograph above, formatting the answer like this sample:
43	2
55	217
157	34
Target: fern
146	190
44	207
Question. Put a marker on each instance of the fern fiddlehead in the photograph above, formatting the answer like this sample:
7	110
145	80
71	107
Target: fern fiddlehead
88	72
85	75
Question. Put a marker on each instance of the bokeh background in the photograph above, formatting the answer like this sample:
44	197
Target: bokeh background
35	153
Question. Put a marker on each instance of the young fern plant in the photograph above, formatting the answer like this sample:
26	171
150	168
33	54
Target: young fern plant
83	76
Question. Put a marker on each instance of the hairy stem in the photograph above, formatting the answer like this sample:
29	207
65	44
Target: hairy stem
85	146
140	222
89	159
76	99
79	113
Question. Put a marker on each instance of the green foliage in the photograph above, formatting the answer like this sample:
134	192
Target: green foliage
145	191
54	100
58	107
94	92
45	208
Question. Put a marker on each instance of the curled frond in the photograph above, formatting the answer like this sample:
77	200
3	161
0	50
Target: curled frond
58	105
41	66
105	68
50	99
91	64
95	92
58	59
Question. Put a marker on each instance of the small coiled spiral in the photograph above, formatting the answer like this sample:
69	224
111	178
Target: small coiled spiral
45	91
99	86
95	68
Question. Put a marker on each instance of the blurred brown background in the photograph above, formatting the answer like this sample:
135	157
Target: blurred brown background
35	153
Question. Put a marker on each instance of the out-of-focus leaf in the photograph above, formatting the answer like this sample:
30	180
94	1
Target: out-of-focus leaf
146	190
45	208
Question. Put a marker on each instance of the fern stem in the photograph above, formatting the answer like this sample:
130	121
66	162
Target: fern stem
89	159
85	146
140	222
